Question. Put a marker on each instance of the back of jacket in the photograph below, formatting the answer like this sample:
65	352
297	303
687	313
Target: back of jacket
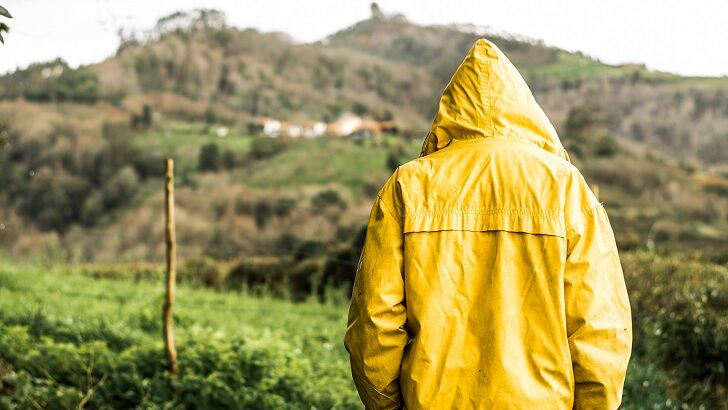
489	276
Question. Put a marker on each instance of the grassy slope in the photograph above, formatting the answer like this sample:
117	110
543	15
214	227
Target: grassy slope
325	161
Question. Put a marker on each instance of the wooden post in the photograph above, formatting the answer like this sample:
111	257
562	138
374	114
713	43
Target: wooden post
171	243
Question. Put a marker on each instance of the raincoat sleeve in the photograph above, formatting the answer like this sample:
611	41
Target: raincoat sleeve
598	314
376	337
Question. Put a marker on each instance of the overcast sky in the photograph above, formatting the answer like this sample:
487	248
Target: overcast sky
686	37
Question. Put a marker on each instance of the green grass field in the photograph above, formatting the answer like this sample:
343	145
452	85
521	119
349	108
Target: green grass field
63	333
67	338
325	161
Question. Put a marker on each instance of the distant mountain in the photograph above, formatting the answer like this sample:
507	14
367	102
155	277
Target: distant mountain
385	67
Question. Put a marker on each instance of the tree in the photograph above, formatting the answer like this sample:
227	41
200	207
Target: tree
582	121
606	146
209	159
4	27
376	11
144	120
147	116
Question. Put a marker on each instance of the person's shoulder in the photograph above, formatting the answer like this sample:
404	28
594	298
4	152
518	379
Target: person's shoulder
580	202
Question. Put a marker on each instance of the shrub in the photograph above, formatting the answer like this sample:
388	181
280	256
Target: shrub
221	245
328	197
215	372
583	120
261	273
283	206
262	211
264	147
229	159
606	146
121	188
203	271
680	313
209	158
135	271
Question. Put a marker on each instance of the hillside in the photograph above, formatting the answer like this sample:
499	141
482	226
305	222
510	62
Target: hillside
382	67
81	163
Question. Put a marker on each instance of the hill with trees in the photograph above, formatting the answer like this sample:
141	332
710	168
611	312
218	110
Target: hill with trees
82	147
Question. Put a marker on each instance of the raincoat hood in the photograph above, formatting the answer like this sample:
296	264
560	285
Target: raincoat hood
488	98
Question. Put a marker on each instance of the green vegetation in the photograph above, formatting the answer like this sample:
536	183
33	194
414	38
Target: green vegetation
52	81
99	340
183	140
4	27
325	161
99	343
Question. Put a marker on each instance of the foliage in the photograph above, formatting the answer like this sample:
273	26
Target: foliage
65	337
144	120
203	271
327	198
210	159
55	181
680	309
52	81
606	146
235	350
4	27
264	147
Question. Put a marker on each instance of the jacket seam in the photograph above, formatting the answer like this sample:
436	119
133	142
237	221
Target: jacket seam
586	213
389	210
516	211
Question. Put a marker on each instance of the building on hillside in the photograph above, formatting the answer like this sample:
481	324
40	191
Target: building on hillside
313	129
290	130
222	132
271	127
367	129
344	126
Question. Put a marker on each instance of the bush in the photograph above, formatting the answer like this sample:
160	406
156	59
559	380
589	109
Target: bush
221	245
135	271
265	147
261	274
583	120
203	271
606	146
209	159
144	120
214	373
229	159
680	313
328	197
121	188
284	206
262	212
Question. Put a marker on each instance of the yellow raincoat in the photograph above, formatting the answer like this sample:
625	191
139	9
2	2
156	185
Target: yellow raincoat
489	276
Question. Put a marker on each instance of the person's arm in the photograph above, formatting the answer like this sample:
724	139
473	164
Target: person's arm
599	323
376	337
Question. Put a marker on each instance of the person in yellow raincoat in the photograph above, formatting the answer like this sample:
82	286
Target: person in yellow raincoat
489	276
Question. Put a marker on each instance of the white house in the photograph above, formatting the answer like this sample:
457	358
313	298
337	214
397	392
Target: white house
271	127
346	125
